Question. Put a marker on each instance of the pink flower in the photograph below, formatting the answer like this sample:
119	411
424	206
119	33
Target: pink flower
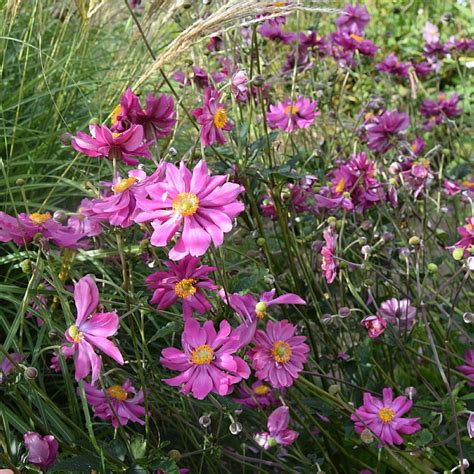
467	237
287	116
118	404
470	425
430	33
354	19
436	111
416	175
185	281
453	187
212	117
66	351
122	146
279	355
84	222
205	205
375	325
120	207
392	65
42	450
239	86
329	264
400	313
468	368
384	129
260	395
384	418
278	432
271	29
207	362
6	365
158	118
91	330
22	229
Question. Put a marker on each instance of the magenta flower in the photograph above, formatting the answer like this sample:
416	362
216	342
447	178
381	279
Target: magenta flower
436	111
205	205
392	65
329	264
66	351
158	118
468	368
385	129
278	432
272	30
417	146
384	418
84	222
259	395
185	281
118	404
279	355
91	330
453	187
470	425
212	117
467	237
22	229
288	116
207	361
416	175
121	146
350	42
239	86
354	19
6	366
42	450
400	313
375	325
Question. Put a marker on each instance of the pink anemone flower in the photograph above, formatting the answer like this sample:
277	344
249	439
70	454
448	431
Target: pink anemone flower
279	355
212	117
207	362
183	281
385	418
329	264
118	404
278	432
42	450
259	395
288	116
205	205
121	146
91	330
6	366
375	325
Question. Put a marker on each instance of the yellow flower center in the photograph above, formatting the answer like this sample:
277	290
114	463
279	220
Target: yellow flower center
116	134
293	109
386	415
185	288
441	96
341	185
202	355
468	184
75	334
368	116
356	38
124	184
220	118
186	204
115	114
279	4
468	227
39	219
117	392
260	309
261	389
281	352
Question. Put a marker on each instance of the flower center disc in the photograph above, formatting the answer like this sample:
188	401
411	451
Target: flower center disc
124	184
220	118
202	355
260	309
356	37
117	392
281	352
38	218
186	204
341	185
75	334
291	108
386	415
261	389
115	113
185	288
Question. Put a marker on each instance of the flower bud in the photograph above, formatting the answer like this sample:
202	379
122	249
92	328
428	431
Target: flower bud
260	241
432	267
172	151
387	236
468	318
410	392
415	240
258	81
331	220
30	373
366	250
65	138
175	455
362	240
366	436
25	266
20	182
93	121
60	216
344	312
205	421
458	254
334	389
235	428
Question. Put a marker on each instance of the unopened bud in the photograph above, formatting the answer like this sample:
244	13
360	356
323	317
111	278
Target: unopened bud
205	421
344	312
172	151
331	220
65	138
175	455
20	182
93	121
366	250
25	266
260	241
458	254
415	240
366	436
432	267
235	428
410	392
258	81
60	216
31	373
334	389
468	318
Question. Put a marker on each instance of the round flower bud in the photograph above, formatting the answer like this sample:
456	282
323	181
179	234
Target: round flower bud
387	236
30	373
25	266
260	241
175	455
20	182
470	262
65	138
235	428
331	220
410	392
366	436
93	121
334	389
367	224
415	240
144	245
205	421
366	250
368	283
344	312
172	151
458	254
362	240
468	318
60	216
269	279
432	267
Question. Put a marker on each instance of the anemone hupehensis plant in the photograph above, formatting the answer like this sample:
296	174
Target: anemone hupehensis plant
236	236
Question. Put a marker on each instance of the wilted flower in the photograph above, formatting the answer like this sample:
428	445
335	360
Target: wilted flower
118	404
42	450
239	86
400	313
384	418
278	432
288	115
375	325
207	362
